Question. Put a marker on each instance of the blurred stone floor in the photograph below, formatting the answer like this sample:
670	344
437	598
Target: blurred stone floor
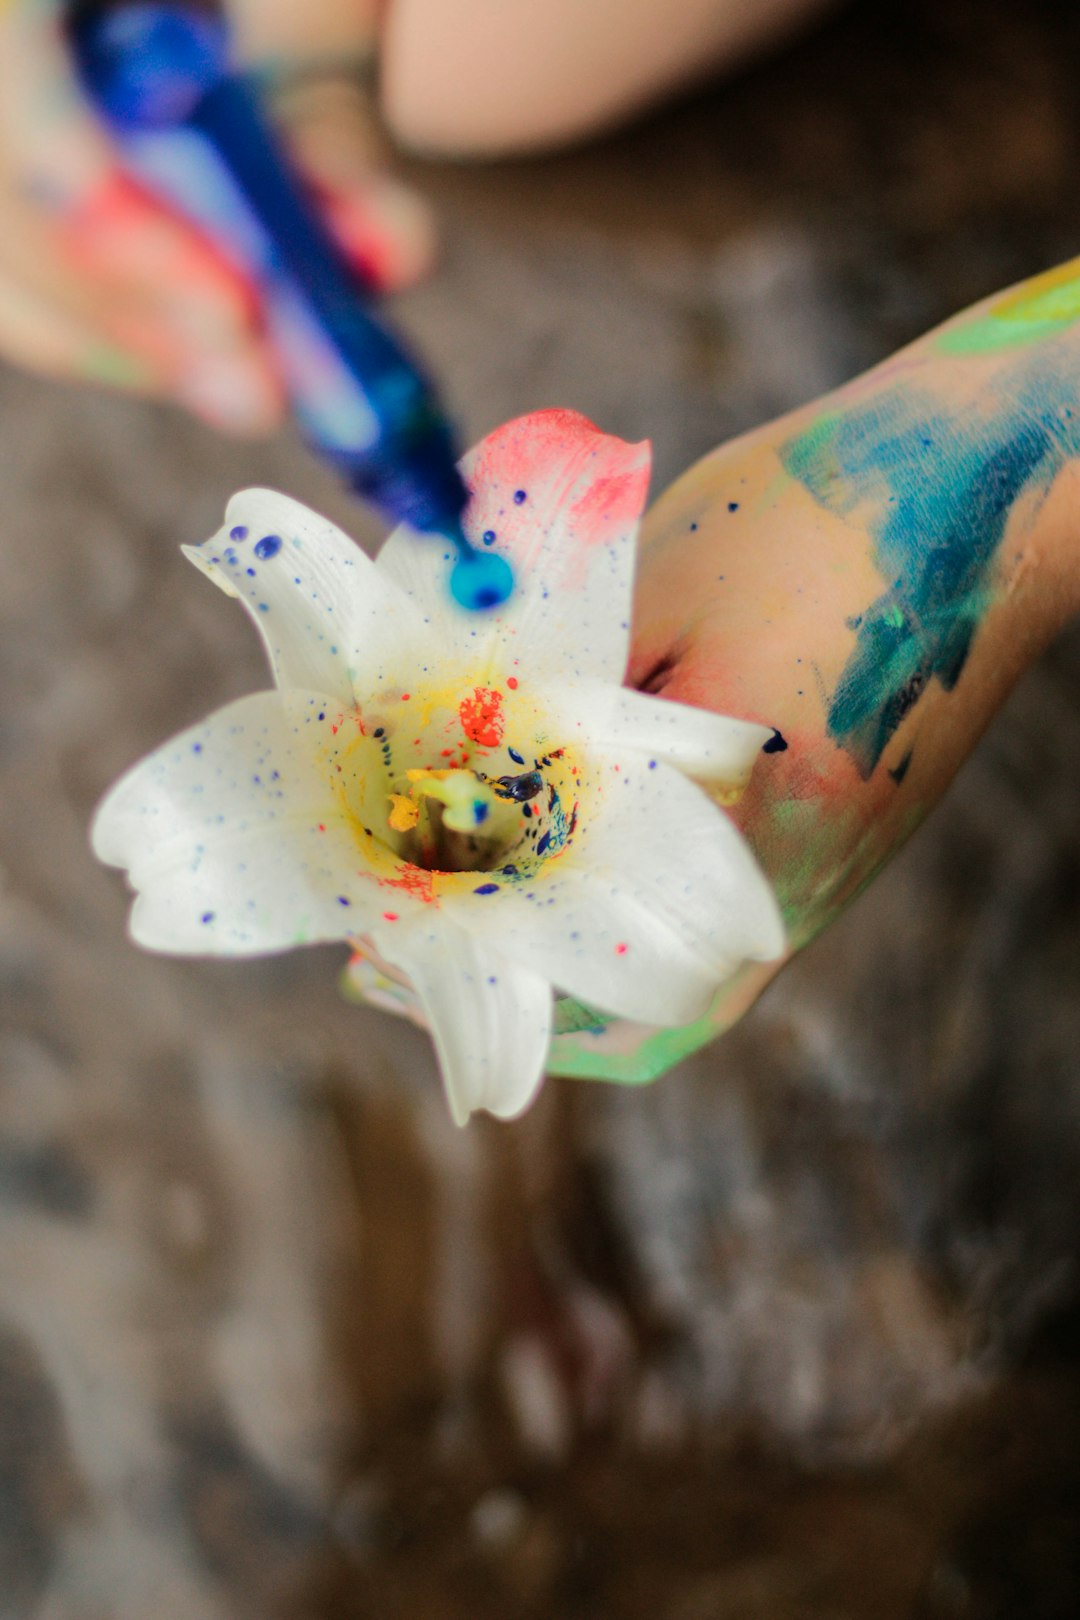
792	1335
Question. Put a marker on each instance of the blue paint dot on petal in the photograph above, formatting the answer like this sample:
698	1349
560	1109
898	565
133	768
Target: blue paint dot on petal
488	537
733	506
543	844
208	916
487	888
518	759
268	546
196	748
652	764
264	607
251	572
519	496
239	533
343	900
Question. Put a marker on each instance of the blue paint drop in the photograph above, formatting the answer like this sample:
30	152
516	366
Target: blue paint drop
239	533
520	788
343	900
208	916
488	537
250	572
541	847
518	759
487	888
777	744
693	528
480	811
733	506
268	546
519	497
481	582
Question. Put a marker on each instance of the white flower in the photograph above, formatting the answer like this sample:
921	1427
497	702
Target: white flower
405	737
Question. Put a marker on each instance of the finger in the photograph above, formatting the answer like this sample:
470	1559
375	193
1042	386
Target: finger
37	334
88	241
316	63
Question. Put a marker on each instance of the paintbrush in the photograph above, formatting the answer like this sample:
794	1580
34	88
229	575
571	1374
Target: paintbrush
193	130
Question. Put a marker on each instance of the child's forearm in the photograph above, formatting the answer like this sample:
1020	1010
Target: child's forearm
873	573
868	575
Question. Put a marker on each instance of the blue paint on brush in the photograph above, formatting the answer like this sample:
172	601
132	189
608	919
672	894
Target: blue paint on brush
939	489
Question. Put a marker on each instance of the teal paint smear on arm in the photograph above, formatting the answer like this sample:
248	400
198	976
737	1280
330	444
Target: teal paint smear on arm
935	489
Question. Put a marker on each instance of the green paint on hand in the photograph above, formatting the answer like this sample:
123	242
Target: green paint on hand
1039	308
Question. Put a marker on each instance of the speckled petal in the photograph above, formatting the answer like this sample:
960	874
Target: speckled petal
332	622
490	1018
651	910
713	748
561	501
231	836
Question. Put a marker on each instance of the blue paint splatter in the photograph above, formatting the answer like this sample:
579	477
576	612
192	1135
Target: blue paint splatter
239	533
487	888
518	759
777	743
208	916
941	488
268	546
541	848
488	537
519	496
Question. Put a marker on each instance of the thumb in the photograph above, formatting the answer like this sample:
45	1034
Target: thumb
316	60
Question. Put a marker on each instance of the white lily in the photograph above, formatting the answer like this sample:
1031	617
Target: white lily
476	801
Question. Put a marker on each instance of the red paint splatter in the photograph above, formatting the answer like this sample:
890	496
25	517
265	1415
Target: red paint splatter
621	949
481	716
390	916
322	826
415	881
511	681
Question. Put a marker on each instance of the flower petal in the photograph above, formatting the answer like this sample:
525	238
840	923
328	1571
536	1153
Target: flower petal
232	837
658	903
490	1020
714	748
332	622
561	501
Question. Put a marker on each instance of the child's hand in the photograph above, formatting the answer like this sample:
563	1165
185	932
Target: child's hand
99	281
869	576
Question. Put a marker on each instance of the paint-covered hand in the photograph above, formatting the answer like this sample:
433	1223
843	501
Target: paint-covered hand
98	281
868	577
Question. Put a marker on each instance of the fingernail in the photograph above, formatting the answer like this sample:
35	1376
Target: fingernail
232	394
